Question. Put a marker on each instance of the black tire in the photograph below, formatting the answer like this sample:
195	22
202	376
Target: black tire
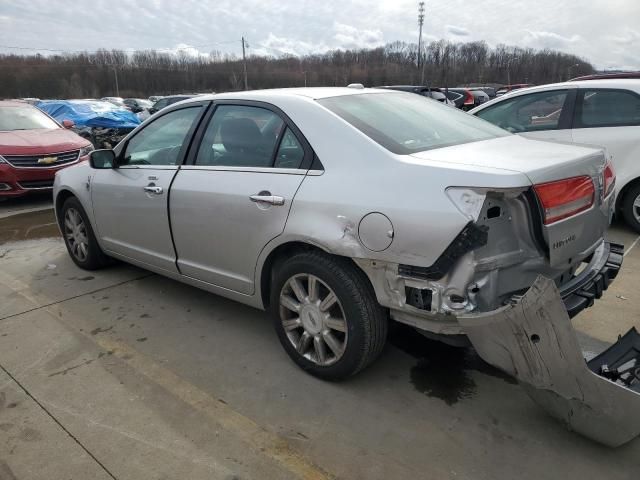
627	207
366	321
95	257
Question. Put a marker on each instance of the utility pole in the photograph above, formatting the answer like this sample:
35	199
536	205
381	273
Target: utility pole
420	22
244	61
115	74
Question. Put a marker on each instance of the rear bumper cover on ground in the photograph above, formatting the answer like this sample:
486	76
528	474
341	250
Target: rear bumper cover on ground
533	340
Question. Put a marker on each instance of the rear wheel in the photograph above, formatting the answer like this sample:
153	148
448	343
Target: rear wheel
631	207
79	237
326	315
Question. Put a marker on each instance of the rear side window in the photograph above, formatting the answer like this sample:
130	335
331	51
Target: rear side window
240	136
527	113
607	108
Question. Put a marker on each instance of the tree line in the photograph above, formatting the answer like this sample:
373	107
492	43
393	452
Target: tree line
149	72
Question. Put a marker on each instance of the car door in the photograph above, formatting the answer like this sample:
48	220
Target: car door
610	118
236	194
130	202
542	115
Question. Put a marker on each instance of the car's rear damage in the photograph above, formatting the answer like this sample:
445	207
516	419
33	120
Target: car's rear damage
528	259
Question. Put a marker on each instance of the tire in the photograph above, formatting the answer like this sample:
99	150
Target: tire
346	335
75	227
628	209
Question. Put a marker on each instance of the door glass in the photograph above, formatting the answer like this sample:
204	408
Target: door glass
607	108
160	142
240	136
290	154
527	113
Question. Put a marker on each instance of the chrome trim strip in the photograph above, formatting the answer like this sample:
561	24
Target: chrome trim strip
53	165
281	171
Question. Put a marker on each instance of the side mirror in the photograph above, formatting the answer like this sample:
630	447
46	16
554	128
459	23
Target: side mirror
68	123
102	159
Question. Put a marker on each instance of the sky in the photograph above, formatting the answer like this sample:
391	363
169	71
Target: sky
604	32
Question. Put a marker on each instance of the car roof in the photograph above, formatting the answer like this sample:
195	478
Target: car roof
314	93
14	103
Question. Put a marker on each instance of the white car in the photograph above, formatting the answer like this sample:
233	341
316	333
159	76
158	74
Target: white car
602	112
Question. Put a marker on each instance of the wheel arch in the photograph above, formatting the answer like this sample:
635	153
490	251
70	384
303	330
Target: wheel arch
62	197
282	251
623	192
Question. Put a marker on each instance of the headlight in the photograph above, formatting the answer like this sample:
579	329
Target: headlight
84	151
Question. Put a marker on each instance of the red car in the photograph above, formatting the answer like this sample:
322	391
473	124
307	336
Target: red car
33	147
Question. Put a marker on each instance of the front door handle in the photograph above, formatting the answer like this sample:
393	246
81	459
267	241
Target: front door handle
270	199
153	189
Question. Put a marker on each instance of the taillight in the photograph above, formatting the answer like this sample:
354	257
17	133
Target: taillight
609	179
565	198
468	99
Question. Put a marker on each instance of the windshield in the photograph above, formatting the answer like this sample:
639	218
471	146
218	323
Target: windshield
404	123
24	118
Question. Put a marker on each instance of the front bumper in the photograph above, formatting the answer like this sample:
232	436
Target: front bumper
15	182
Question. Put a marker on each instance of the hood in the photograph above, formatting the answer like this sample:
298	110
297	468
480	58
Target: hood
40	141
540	161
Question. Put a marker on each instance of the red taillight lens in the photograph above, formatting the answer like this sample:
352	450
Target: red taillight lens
609	179
468	98
565	198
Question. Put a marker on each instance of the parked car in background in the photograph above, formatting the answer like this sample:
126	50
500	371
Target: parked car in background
168	100
117	101
490	91
510	88
155	98
468	99
608	76
434	93
597	112
137	105
33	147
30	100
102	123
457	98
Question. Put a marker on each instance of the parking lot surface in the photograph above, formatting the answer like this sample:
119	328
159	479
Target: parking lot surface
124	374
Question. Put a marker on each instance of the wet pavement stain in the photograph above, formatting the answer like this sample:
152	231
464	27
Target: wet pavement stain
442	371
28	226
98	330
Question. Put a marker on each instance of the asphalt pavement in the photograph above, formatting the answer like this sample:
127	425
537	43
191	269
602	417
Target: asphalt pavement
124	374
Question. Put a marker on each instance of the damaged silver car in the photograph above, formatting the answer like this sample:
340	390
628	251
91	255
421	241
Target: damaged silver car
338	209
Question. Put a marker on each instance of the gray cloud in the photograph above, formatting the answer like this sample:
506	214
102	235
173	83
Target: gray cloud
457	31
605	34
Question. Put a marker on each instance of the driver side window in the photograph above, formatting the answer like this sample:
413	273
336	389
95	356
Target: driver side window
528	113
160	142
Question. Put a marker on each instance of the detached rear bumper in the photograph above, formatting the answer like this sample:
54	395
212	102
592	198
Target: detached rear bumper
580	292
533	340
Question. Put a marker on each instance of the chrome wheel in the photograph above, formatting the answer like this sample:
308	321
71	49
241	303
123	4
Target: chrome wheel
313	319
75	232
636	209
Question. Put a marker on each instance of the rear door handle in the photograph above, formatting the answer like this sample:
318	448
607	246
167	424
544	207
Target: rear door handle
153	189
270	199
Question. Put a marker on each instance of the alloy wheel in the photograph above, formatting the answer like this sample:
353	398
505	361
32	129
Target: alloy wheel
75	232
313	319
636	209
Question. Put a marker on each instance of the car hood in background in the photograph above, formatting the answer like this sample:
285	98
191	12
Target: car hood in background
90	113
39	141
540	161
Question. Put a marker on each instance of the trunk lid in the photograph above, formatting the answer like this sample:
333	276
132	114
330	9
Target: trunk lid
570	240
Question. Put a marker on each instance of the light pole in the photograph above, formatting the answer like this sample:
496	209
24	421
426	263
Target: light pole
420	23
569	70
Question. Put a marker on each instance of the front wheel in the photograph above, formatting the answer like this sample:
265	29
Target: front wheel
326	315
79	237
631	207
